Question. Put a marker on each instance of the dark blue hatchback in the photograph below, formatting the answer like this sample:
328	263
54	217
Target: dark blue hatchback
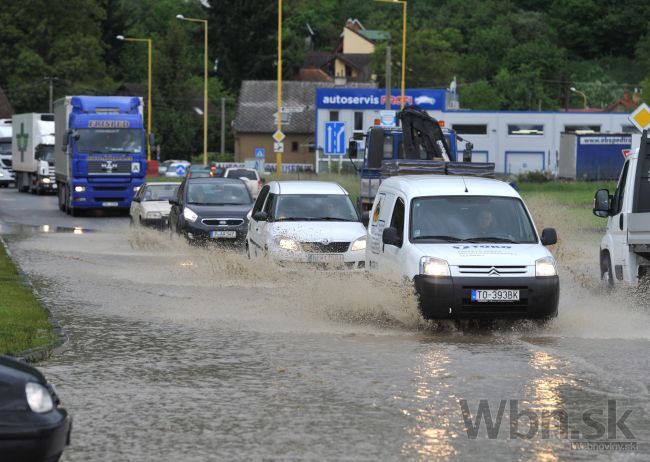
32	425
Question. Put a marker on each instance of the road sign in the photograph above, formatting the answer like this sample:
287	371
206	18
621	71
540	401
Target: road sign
278	147
180	170
335	138
387	118
259	153
278	136
641	117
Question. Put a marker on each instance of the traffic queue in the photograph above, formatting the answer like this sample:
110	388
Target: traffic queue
468	245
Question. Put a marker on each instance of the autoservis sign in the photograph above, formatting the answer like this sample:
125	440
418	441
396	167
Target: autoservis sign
375	98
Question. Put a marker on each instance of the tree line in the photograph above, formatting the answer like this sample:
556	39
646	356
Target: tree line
505	54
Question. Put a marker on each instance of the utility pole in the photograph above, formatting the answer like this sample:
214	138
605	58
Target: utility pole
51	85
388	77
223	125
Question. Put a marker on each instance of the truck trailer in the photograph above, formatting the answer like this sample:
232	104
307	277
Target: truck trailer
32	152
6	172
99	151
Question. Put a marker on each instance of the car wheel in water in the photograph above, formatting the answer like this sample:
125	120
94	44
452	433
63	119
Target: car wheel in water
606	274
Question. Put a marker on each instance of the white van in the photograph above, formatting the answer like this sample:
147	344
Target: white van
468	244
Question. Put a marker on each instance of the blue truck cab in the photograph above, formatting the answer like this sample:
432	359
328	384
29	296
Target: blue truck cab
99	151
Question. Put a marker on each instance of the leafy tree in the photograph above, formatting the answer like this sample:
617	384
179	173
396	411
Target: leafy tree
62	40
478	95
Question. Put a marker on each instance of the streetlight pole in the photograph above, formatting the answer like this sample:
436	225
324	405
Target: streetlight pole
584	97
149	108
403	2
205	83
278	153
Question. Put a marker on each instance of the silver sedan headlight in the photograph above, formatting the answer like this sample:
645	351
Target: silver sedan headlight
286	243
359	244
38	398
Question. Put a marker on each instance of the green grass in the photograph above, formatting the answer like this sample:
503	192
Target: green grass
163	179
570	193
24	323
575	199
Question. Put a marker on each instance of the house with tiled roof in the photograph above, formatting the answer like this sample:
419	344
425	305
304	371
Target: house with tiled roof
349	60
255	120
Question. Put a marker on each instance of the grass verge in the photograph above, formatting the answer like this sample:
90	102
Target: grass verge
24	324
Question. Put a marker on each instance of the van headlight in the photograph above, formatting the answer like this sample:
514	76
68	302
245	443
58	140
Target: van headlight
79	189
359	244
431	266
189	215
38	398
289	244
153	215
545	267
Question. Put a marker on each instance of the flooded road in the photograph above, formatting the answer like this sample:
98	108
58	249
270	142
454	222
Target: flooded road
181	353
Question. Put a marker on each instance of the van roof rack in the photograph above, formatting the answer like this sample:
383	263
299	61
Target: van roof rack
428	167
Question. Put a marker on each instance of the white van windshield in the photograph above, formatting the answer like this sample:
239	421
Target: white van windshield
470	219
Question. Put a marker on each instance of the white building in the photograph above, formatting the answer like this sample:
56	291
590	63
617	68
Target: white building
516	141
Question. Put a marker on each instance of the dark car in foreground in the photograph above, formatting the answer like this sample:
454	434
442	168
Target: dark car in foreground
211	210
32	425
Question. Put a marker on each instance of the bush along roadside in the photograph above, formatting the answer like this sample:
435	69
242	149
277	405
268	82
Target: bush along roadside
26	328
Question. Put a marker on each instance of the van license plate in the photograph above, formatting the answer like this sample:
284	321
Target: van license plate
223	234
495	295
109	204
320	258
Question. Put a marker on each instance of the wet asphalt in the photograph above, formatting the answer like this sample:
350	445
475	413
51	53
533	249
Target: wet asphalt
185	353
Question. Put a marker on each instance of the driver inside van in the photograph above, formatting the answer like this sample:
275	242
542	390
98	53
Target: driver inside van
486	224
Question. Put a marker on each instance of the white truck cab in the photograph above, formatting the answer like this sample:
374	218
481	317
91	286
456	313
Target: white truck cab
468	244
625	247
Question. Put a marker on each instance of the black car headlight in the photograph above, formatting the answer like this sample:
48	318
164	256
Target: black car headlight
38	398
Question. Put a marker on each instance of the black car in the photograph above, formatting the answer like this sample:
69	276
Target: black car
211	210
32	425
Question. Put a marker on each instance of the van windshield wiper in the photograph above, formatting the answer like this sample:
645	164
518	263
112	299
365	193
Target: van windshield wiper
330	219
490	239
439	238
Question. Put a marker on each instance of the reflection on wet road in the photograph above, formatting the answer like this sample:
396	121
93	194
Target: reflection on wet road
181	353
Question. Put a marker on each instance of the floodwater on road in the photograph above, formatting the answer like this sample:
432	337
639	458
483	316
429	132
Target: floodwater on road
184	353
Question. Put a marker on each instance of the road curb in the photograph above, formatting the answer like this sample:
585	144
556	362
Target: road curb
60	343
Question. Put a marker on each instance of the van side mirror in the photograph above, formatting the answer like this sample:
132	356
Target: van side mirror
391	237
352	149
549	236
602	203
261	216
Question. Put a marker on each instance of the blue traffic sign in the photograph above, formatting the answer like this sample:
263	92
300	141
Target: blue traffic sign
180	170
259	153
335	138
